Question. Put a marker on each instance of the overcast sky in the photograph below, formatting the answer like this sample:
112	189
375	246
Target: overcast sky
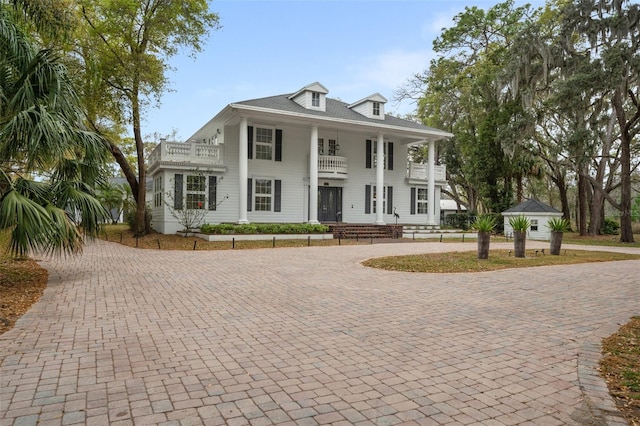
353	47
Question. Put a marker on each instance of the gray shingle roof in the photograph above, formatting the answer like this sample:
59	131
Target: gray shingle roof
532	206
335	109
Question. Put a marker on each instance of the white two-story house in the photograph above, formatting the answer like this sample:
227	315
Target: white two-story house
300	157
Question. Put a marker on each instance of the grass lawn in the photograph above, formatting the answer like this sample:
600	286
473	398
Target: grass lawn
467	261
620	367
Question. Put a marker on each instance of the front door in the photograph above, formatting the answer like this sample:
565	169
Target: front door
329	204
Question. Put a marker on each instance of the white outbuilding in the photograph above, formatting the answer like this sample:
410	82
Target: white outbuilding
538	214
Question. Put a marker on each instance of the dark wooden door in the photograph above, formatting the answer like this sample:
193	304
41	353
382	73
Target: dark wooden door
329	204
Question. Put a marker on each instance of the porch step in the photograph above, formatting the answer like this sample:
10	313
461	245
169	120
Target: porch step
356	231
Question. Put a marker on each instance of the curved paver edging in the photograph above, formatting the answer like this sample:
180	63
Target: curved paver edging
594	389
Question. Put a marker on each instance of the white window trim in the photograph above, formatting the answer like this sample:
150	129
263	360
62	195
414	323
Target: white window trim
423	202
374	194
256	143
158	188
315	96
374	154
325	147
197	192
376	109
271	195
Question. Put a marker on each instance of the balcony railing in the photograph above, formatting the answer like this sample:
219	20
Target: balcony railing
188	152
421	172
332	166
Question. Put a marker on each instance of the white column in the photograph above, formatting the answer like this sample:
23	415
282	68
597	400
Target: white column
244	170
380	180
431	185
313	176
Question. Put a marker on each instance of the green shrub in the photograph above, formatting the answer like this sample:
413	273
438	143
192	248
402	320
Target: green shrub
130	218
263	228
484	223
610	227
458	221
558	224
519	223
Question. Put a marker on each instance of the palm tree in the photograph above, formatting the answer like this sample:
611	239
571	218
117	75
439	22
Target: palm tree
49	162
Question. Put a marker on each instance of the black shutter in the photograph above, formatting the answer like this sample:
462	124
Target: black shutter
213	192
249	195
389	155
250	142
368	155
389	199
413	201
178	192
277	196
278	145
367	198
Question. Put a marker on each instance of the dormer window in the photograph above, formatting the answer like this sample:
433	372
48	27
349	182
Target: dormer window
312	96
371	106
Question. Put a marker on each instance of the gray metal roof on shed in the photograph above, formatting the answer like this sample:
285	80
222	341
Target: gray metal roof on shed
334	109
532	206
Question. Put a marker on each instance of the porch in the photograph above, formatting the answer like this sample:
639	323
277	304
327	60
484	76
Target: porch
198	154
332	167
419	173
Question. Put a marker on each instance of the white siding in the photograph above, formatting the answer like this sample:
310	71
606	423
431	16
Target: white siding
304	99
366	108
543	232
293	171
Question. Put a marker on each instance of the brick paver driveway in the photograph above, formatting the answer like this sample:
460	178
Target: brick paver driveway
309	336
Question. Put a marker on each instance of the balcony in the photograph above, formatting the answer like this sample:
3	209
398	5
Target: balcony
332	167
419	173
188	154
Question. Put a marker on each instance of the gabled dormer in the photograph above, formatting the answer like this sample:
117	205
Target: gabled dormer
312	96
371	106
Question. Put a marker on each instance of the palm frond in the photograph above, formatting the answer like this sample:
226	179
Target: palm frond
29	221
65	238
82	206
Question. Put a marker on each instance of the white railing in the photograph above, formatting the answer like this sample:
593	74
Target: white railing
189	152
421	172
332	164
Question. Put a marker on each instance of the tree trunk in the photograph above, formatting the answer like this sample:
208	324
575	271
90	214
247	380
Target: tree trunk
141	223
519	189
519	243
626	231
128	172
556	242
484	239
582	203
564	199
597	213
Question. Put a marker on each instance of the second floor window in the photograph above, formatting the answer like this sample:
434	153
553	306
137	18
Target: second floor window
331	147
376	108
264	143
315	99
